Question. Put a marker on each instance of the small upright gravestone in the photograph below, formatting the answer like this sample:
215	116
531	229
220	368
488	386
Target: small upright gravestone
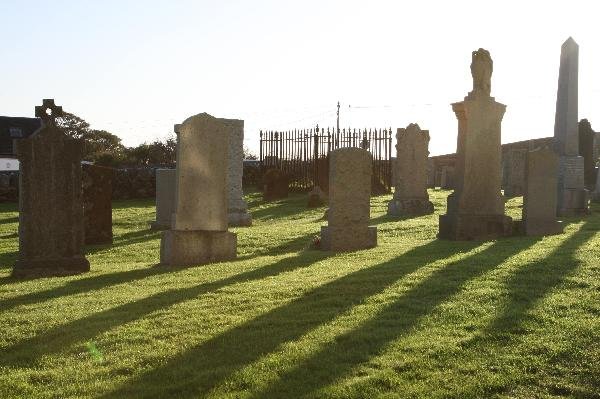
586	150
198	233
349	202
476	207
410	173
275	185
572	195
237	207
514	172
539	201
97	183
447	178
51	229
165	198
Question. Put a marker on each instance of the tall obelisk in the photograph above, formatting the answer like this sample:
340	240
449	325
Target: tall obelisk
572	197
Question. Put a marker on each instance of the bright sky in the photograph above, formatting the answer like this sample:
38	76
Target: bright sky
135	68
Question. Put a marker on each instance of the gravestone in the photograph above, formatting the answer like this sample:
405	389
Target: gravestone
572	196
165	198
596	192
514	172
50	200
97	183
237	207
275	185
476	207
447	178
198	233
539	199
410	173
430	173
348	215
586	150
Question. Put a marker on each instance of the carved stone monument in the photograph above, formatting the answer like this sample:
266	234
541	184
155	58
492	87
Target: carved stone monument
514	172
572	196
349	202
237	207
50	200
539	201
410	173
97	184
476	207
198	233
165	198
447	177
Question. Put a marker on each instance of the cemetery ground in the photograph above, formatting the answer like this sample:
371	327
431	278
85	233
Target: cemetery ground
413	317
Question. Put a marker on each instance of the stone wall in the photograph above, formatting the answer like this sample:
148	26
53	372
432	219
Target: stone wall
129	183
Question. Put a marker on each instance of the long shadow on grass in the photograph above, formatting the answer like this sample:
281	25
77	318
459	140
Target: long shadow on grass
87	284
396	319
123	240
198	370
62	336
532	282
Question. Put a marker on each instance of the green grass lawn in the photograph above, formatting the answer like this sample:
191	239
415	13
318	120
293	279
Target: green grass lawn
413	317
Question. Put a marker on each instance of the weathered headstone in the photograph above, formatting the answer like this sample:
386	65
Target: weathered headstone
514	172
165	198
539	199
447	177
596	192
430	173
348	216
572	196
237	207
97	203
50	200
198	233
410	173
275	185
586	150
476	207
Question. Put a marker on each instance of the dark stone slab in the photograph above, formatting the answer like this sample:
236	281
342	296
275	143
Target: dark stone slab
97	186
276	185
50	201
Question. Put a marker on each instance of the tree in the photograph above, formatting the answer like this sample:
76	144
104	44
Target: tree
249	154
72	125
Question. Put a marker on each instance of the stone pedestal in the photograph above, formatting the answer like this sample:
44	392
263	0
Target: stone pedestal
572	198
51	229
349	202
237	208
539	201
97	184
187	248
476	207
165	198
198	233
410	173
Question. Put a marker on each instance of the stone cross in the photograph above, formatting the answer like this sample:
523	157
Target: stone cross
51	229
